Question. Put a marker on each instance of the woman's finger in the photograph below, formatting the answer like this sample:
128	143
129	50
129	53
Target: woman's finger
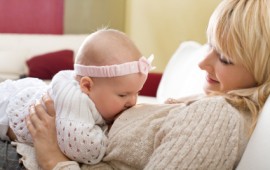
44	112
49	104
30	126
33	118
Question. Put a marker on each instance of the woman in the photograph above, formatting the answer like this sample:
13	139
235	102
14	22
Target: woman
207	133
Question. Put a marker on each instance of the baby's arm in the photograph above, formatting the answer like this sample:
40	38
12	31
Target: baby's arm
11	134
83	142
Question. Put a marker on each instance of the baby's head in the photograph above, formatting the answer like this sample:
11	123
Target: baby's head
105	67
107	47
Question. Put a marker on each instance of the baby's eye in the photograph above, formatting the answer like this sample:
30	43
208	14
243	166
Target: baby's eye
122	95
224	60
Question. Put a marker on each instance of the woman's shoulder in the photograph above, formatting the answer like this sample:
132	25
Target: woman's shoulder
215	110
213	103
204	98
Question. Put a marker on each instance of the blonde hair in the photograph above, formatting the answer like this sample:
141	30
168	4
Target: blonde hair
240	29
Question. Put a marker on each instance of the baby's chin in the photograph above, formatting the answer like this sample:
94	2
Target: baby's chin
111	120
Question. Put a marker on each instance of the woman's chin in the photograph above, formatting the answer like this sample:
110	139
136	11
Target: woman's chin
210	89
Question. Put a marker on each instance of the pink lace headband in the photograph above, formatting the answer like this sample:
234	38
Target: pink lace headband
143	65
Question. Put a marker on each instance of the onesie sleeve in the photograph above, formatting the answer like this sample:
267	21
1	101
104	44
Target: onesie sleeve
204	135
81	131
85	143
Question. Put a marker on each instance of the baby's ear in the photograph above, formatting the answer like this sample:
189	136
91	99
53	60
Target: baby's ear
86	83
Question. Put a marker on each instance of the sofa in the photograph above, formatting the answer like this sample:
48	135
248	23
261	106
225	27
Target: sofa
29	54
37	55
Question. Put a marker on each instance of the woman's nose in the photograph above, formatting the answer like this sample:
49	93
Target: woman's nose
207	62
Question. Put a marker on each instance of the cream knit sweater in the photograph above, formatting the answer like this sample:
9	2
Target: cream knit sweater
208	134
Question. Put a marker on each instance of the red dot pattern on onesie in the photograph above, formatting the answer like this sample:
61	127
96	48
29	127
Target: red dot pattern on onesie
79	141
18	109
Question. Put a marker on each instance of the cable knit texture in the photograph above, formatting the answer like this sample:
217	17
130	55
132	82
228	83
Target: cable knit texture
207	135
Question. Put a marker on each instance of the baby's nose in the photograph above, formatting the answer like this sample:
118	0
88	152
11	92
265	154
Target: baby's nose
131	102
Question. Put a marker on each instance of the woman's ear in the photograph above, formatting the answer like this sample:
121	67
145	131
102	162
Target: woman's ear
86	83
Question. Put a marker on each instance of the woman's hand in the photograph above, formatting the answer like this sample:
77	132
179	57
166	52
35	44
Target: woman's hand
41	124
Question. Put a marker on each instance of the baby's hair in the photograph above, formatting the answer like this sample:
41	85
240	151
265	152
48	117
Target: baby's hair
240	29
103	27
106	47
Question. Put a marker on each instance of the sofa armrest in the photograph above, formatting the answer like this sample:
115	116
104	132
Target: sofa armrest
151	85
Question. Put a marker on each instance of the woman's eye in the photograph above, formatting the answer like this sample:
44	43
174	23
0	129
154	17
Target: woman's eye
224	60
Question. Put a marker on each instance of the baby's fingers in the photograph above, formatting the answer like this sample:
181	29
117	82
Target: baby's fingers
170	101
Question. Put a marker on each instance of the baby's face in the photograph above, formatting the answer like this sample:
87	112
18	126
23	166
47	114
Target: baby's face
114	95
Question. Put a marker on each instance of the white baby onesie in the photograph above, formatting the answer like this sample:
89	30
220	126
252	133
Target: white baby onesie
81	131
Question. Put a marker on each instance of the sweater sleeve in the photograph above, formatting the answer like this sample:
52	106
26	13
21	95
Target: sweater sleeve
68	165
204	135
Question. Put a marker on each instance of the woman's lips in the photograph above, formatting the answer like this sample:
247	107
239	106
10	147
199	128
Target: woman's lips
210	80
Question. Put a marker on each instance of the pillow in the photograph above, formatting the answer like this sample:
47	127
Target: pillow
151	84
182	76
257	152
13	62
45	66
11	76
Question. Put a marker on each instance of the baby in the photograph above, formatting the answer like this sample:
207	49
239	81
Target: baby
108	74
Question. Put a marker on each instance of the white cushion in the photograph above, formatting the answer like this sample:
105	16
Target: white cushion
41	43
13	61
257	153
147	99
5	76
182	76
16	48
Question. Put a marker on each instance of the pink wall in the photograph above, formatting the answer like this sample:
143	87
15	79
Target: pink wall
31	16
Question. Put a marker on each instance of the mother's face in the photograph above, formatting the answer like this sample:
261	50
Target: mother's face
222	75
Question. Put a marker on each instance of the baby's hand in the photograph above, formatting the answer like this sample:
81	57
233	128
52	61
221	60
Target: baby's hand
171	101
11	134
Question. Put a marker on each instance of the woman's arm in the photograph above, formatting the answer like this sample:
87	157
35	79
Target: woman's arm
41	124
